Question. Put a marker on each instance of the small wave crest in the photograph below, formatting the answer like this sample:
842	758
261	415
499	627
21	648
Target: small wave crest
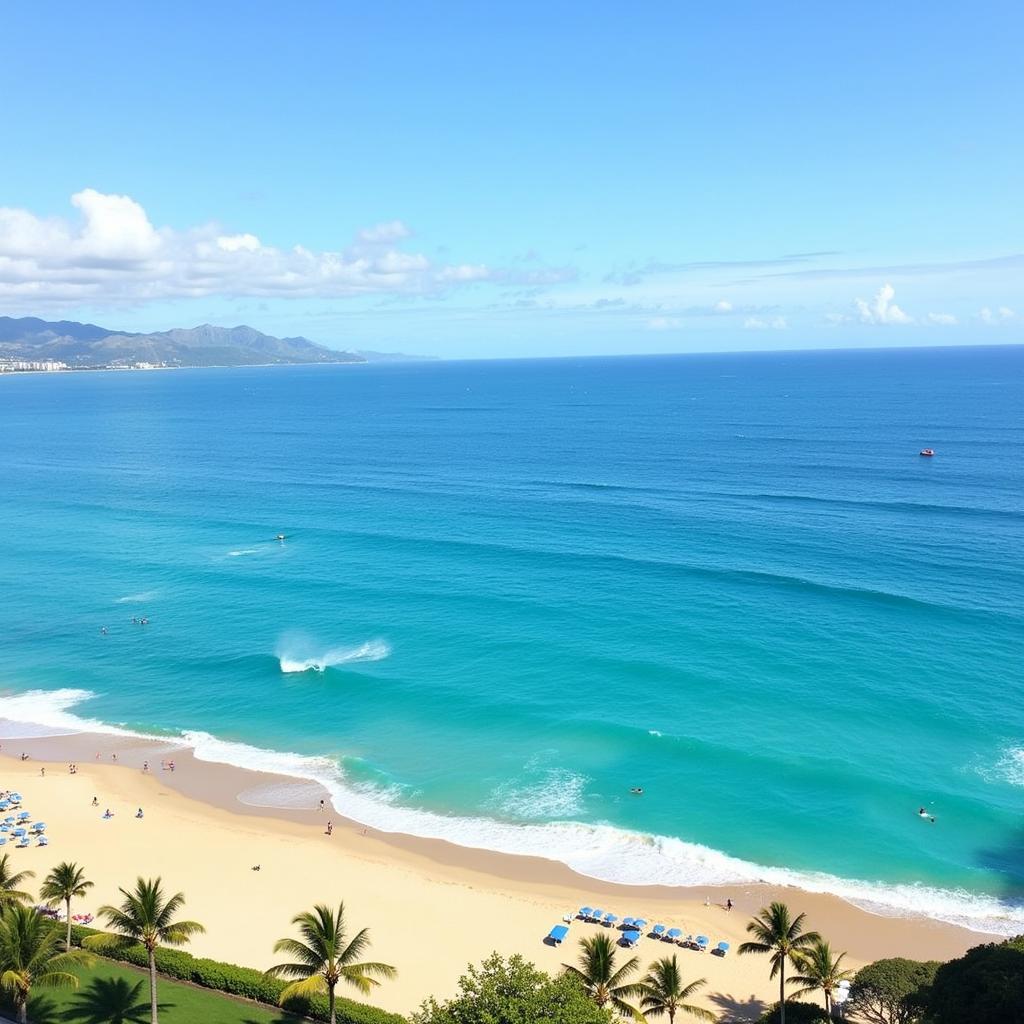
1009	768
292	661
145	595
558	793
239	552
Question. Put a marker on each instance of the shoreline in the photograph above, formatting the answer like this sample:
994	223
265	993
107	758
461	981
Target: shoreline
594	854
223	800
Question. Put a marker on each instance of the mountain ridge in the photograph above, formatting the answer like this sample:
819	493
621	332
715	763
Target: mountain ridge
89	346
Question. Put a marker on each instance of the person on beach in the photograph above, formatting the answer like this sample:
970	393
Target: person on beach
145	766
95	801
138	813
113	757
728	904
108	813
330	828
42	772
321	806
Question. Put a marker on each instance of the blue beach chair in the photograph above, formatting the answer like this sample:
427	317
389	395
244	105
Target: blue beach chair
610	919
701	943
658	931
673	934
585	912
640	924
630	938
557	934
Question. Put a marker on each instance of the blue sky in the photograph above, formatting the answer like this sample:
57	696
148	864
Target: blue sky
470	179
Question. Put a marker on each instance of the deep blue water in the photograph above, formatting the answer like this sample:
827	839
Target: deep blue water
729	579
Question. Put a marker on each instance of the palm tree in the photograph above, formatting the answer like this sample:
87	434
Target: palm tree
62	885
30	955
146	916
820	970
600	979
111	1001
663	991
775	932
9	882
324	956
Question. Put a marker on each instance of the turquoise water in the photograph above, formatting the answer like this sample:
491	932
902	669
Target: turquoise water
509	592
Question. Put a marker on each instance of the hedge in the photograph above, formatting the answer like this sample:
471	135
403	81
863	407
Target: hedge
245	982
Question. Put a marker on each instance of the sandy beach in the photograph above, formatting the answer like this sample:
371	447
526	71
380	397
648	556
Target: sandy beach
432	907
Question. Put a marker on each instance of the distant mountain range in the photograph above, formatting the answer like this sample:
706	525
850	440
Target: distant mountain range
88	346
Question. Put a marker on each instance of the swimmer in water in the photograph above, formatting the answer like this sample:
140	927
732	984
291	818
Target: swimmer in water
637	791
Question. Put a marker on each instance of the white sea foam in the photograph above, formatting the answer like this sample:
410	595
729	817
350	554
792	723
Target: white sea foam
1010	767
238	552
654	732
284	795
598	851
295	661
558	793
146	595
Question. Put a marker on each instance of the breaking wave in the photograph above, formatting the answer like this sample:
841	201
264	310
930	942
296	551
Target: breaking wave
372	650
598	851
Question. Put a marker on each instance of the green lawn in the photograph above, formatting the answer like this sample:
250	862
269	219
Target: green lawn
180	1004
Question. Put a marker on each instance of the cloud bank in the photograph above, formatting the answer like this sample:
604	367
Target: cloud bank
113	253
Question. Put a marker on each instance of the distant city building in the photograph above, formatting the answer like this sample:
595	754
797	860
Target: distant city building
24	366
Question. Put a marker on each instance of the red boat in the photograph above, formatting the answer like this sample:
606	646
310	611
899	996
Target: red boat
927	451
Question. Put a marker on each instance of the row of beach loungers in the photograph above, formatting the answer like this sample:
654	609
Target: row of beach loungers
632	930
20	826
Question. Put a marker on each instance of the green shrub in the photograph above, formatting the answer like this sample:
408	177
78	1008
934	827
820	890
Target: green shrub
796	1013
245	982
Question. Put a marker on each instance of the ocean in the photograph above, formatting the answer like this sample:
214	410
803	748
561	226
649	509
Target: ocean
511	592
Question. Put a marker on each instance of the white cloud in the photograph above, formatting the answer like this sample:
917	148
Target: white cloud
112	254
664	323
941	319
1001	315
882	310
234	243
765	323
391	231
723	306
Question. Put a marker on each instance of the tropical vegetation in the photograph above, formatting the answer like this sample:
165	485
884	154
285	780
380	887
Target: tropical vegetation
605	983
31	957
782	937
821	970
63	884
9	882
892	991
663	991
147	916
513	991
324	956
